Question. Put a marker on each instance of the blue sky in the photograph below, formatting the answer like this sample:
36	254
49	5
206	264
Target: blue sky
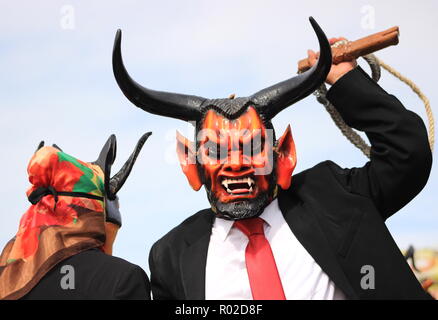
57	85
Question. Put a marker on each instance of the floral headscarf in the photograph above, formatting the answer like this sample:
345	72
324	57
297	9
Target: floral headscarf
66	217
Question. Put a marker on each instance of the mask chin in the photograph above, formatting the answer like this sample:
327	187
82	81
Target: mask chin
243	209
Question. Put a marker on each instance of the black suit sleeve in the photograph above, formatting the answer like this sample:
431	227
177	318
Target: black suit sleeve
133	285
401	158
159	288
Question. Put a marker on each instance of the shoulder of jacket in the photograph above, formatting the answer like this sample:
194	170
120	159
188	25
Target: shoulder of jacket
320	168
98	259
177	234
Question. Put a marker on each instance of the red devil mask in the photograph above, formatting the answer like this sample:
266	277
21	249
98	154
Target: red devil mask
235	154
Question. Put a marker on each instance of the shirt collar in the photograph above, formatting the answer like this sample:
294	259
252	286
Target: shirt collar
270	214
222	227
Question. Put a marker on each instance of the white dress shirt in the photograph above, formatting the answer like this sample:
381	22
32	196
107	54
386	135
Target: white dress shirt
226	275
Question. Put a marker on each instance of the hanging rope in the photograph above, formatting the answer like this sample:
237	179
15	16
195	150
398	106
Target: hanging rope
420	94
346	130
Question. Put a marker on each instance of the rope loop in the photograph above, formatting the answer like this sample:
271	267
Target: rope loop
375	66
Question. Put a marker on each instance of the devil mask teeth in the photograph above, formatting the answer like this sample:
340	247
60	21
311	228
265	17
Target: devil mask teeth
238	185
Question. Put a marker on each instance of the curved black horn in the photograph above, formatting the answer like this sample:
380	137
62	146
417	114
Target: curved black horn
40	145
108	153
117	181
274	99
57	147
106	159
166	104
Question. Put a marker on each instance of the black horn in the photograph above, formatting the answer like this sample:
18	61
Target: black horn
106	159
117	181
40	145
57	147
179	106
272	100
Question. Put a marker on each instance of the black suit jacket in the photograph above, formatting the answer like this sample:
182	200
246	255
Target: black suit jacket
96	276
337	214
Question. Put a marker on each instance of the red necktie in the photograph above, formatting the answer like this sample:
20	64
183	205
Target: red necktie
260	263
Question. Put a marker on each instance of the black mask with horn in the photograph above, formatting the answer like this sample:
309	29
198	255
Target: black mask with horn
268	102
113	184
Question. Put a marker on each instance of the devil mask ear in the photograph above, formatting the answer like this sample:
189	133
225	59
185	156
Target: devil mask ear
185	150
286	159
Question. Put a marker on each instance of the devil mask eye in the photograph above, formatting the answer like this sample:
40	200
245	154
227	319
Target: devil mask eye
215	151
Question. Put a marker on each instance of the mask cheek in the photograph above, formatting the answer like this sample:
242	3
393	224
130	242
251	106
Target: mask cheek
211	172
262	183
263	163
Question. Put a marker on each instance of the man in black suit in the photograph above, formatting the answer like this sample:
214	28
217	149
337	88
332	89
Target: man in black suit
321	235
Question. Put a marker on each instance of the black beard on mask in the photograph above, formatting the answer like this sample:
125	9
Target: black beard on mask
242	209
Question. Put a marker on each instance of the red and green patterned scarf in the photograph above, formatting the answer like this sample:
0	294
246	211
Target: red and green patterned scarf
67	217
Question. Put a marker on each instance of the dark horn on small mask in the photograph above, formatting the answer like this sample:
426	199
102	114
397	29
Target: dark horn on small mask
274	99
117	181
106	159
173	105
40	145
57	147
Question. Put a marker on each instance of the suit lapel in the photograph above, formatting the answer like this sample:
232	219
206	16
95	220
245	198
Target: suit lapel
307	230
194	257
303	224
